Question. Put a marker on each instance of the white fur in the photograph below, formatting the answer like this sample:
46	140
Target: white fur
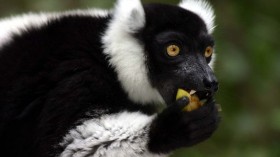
126	54
212	62
130	15
18	24
127	132
203	9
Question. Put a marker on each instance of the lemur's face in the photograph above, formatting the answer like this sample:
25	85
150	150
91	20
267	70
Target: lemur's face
178	52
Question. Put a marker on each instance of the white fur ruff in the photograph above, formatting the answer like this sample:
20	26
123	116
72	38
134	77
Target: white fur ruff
127	55
19	24
123	134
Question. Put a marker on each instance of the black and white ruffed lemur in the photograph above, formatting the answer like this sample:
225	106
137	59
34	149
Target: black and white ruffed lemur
87	83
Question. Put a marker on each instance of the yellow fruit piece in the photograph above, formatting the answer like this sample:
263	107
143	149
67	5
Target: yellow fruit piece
194	102
193	105
182	93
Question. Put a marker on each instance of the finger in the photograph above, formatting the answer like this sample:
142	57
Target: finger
199	124
178	105
203	131
174	111
203	111
201	115
182	102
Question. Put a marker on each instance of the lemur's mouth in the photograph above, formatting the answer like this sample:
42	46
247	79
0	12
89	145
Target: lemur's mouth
202	95
196	98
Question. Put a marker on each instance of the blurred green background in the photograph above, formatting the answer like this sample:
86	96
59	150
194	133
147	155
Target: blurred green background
248	68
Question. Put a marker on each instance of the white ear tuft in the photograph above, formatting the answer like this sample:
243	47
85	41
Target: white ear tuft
202	9
130	13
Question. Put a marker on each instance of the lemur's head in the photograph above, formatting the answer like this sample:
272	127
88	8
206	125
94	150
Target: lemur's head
156	49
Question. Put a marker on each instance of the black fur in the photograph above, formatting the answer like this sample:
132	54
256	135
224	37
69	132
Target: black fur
54	77
50	77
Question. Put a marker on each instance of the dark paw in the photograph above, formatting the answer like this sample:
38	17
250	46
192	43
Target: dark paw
175	128
200	124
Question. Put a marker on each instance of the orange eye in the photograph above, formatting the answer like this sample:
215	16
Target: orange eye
208	51
173	50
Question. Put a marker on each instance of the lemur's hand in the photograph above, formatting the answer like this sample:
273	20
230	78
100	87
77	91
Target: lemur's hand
175	128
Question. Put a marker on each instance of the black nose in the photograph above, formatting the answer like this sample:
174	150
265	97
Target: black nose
211	84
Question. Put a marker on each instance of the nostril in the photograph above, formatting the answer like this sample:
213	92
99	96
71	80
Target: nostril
207	83
210	85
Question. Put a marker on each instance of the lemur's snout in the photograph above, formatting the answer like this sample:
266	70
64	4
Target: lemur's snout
211	84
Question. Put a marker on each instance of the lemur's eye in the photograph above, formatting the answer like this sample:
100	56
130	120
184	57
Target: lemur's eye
208	51
173	50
